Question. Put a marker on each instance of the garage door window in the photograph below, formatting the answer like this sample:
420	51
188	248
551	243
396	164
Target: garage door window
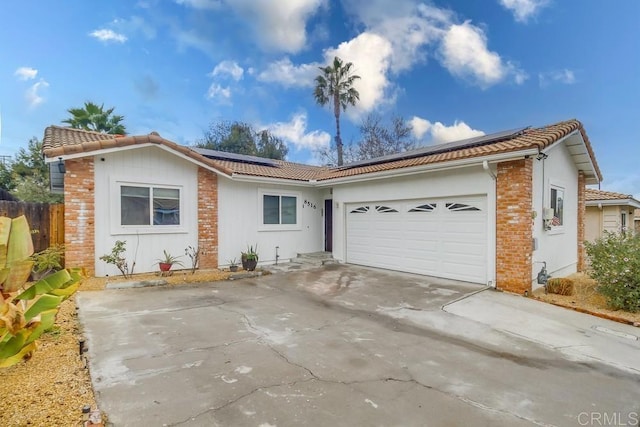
427	207
461	207
361	209
385	209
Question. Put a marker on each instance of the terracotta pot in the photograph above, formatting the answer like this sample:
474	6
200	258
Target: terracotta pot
164	266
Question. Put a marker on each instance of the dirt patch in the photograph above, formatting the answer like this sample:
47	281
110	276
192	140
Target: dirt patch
52	387
587	300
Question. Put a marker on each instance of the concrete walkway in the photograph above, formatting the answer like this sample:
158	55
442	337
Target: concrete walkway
578	336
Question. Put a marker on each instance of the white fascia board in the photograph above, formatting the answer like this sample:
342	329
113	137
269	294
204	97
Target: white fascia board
617	202
441	166
131	147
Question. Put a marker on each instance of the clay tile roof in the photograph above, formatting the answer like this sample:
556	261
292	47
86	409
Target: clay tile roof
530	138
592	194
62	141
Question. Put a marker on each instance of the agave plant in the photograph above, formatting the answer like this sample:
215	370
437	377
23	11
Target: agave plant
26	309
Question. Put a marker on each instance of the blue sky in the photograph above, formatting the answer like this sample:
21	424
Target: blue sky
452	68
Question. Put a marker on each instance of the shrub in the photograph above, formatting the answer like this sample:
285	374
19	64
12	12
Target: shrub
615	265
47	261
560	286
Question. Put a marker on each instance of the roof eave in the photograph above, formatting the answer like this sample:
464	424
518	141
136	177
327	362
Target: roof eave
452	164
614	202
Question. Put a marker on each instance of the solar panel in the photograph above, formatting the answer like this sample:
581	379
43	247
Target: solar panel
440	148
234	157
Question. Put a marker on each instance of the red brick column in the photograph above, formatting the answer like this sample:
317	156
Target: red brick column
79	214
581	219
208	218
514	234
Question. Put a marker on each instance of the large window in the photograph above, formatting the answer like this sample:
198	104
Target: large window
279	210
557	204
150	206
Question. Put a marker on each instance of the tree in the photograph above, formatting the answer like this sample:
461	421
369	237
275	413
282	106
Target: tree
271	147
378	140
335	85
95	118
27	177
241	138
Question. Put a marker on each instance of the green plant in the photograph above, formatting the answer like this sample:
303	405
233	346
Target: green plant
169	259
560	286
116	258
251	253
615	265
232	262
194	255
48	260
26	310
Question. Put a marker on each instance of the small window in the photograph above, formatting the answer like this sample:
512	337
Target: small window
623	222
385	209
557	204
427	207
279	210
461	207
361	209
136	204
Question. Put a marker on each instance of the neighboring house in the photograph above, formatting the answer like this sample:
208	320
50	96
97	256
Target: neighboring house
608	211
636	220
488	209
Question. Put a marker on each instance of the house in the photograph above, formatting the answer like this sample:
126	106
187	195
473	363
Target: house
608	211
490	209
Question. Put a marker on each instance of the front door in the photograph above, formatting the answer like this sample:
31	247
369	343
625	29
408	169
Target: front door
328	225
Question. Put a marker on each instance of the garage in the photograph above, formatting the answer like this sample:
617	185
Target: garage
437	237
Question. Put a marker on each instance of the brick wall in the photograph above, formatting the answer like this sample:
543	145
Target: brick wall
581	220
514	185
79	214
208	218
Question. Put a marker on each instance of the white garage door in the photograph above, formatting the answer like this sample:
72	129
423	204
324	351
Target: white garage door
442	237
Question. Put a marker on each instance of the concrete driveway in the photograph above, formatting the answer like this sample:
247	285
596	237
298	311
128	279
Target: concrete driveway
335	346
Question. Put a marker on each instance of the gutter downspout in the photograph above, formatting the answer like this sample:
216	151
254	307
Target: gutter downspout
487	169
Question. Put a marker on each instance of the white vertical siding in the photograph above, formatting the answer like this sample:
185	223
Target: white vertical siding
240	222
146	166
557	247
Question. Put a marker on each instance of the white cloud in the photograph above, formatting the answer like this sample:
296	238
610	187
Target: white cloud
439	133
33	94
26	73
295	132
279	25
106	35
371	56
288	74
219	92
565	76
524	9
134	24
466	55
230	68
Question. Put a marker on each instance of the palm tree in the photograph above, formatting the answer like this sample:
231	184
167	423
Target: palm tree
336	84
95	118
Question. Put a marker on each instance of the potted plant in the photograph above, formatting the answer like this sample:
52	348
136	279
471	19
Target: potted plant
233	265
250	258
168	261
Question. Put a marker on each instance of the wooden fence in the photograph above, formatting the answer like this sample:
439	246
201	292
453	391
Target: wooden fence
46	221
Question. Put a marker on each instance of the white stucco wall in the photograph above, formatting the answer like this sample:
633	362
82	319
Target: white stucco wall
457	182
146	166
559	246
240	222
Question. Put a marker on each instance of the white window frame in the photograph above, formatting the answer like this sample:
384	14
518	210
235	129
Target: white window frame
279	227
116	204
558	186
623	222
